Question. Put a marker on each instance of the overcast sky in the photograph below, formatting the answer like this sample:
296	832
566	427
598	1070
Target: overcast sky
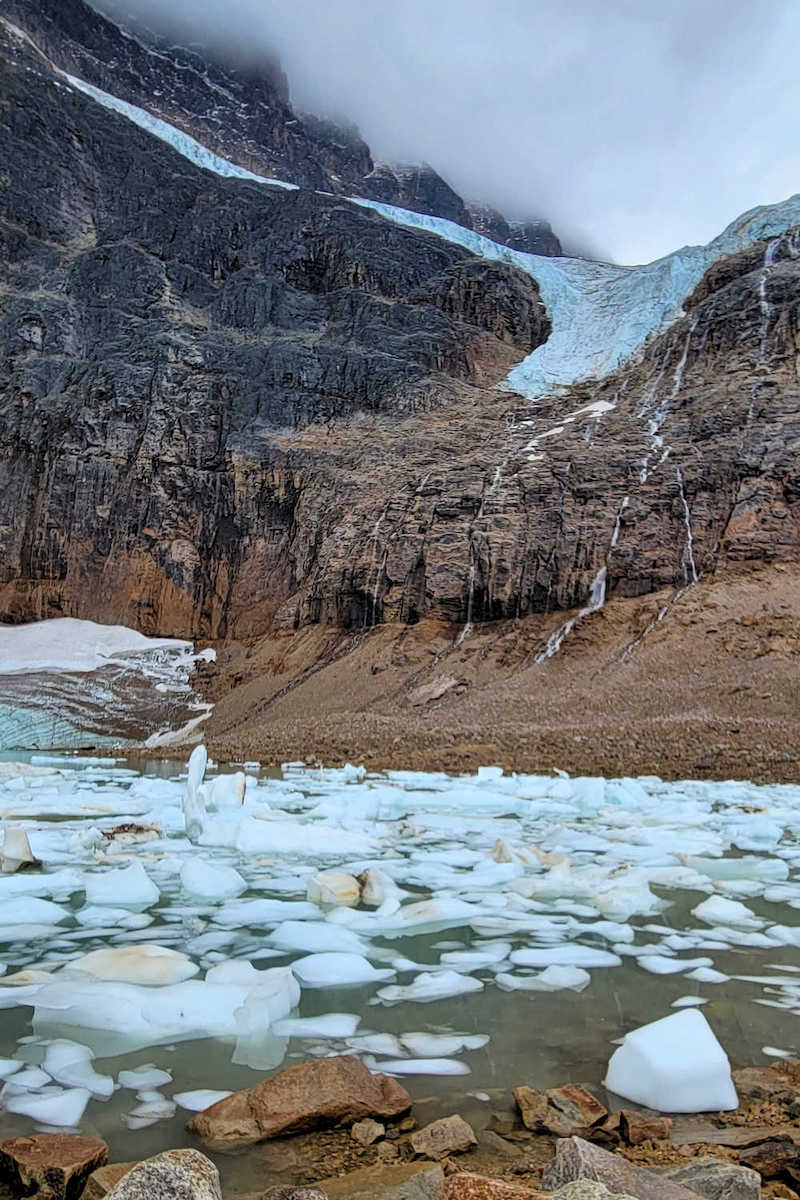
634	126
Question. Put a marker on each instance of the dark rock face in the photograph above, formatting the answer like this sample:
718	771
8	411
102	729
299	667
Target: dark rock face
226	408
240	111
531	237
166	335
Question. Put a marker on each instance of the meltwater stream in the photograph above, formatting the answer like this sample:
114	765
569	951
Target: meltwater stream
513	928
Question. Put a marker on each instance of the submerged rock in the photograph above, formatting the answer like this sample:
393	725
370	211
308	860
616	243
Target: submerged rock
312	1095
450	1135
173	1175
53	1166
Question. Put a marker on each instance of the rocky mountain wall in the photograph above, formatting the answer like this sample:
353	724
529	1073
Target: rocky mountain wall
241	111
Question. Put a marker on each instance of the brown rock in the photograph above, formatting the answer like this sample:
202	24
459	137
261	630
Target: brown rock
765	1083
387	1151
638	1127
450	1135
716	1179
772	1158
532	1106
50	1165
463	1186
173	1175
367	1131
688	1132
571	1109
101	1181
283	1191
577	1159
312	1095
406	1181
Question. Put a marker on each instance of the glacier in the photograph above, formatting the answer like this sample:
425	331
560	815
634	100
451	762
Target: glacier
71	683
602	314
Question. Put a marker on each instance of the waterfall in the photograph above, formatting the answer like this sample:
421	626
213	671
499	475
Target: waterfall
688	553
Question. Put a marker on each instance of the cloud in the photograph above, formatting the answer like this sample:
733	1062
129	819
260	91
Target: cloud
633	126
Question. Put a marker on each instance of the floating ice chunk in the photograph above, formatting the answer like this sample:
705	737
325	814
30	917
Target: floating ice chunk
129	887
315	937
716	910
254	836
570	955
159	1109
32	1079
744	867
787	935
376	1043
659	964
377	887
199	1100
688	1002
100	916
552	979
265	912
333	888
141	1078
431	985
486	955
211	881
434	1045
673	1065
15	851
145	964
193	801
29	910
422	1066
224	791
774	1052
707	975
331	1025
337	970
62	1110
70	1063
8	1066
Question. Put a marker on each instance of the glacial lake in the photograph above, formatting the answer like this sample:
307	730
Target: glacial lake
550	916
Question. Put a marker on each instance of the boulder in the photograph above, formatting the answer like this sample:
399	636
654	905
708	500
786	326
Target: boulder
406	1181
463	1186
101	1181
638	1127
367	1131
53	1166
173	1175
577	1159
778	1081
772	1158
566	1110
450	1135
572	1108
716	1179
532	1106
586	1189
312	1095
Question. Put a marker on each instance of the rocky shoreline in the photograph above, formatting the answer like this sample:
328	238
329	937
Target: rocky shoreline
335	1130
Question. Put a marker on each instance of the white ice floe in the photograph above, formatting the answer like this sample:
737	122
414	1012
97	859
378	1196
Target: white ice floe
147	1076
330	1025
717	910
673	1065
570	955
422	1066
333	889
211	881
337	970
552	979
199	1100
63	1109
431	985
128	887
70	1063
146	964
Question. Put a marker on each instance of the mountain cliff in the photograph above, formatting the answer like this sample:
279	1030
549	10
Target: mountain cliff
232	409
242	111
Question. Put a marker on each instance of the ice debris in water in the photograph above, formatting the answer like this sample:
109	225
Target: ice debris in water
673	1065
532	882
199	1100
62	1109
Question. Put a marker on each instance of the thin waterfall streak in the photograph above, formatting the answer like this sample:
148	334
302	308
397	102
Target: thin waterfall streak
688	553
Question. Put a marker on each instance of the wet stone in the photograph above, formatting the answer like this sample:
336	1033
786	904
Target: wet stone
53	1166
450	1135
637	1127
